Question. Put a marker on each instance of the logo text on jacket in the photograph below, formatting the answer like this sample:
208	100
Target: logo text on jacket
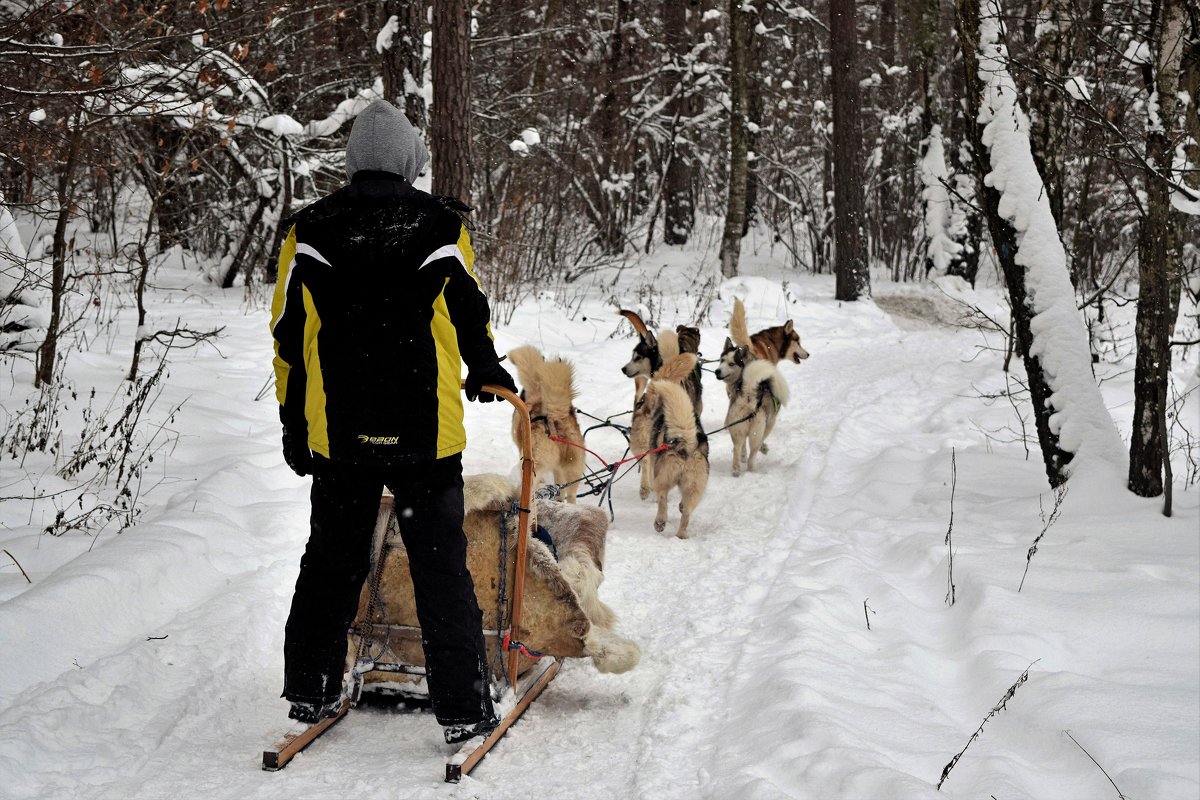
364	439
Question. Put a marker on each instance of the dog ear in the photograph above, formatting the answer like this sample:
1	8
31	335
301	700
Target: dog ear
787	326
649	338
728	345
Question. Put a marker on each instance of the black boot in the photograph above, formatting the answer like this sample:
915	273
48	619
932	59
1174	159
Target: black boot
460	733
314	712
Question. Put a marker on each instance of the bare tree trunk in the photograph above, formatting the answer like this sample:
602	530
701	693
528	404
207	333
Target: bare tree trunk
754	116
1148	444
882	214
248	236
48	352
735	206
616	160
403	62
1004	240
679	213
450	120
853	279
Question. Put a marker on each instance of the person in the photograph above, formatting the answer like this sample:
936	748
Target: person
375	309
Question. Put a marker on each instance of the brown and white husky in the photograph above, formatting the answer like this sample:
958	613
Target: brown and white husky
683	462
774	344
756	393
676	370
548	388
652	352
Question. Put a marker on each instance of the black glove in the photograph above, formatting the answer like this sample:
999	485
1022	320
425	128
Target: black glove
296	452
478	378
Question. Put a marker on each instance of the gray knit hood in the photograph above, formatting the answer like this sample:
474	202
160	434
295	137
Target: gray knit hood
383	139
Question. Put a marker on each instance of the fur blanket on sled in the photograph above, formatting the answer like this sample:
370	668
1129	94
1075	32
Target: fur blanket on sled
578	533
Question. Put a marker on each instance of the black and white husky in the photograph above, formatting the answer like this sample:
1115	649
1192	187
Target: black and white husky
756	393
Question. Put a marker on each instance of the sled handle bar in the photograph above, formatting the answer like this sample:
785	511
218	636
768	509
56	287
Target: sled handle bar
525	516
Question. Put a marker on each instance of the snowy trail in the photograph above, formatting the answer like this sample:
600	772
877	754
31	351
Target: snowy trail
758	679
813	610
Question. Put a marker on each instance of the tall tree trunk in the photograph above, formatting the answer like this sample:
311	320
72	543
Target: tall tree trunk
679	213
616	159
1048	123
1148	444
930	30
735	206
853	279
969	234
450	120
882	213
754	116
403	62
1004	240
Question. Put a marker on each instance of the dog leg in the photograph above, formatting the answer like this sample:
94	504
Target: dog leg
693	491
647	479
660	519
567	475
757	434
738	434
767	431
685	514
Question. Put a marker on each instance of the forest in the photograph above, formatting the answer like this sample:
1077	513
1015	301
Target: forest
583	134
1025	171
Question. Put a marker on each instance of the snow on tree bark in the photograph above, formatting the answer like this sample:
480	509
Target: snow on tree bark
1070	414
940	247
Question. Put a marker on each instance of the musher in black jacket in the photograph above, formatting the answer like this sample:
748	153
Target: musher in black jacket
375	309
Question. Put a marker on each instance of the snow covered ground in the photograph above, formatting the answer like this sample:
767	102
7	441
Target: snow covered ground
799	645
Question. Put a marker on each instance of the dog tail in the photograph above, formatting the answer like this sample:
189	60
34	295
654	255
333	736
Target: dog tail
678	412
529	362
668	344
558	388
738	330
676	369
759	372
610	652
635	321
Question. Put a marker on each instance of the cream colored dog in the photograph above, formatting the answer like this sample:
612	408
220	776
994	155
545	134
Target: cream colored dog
683	462
548	388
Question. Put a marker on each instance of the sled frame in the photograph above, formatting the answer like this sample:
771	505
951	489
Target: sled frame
277	757
526	691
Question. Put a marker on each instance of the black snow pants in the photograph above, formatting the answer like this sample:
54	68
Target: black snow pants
429	509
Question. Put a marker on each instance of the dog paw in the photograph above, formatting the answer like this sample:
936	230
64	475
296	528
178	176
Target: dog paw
681	533
737	472
658	526
644	494
763	449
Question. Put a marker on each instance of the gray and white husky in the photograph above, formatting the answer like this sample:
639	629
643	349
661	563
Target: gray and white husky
756	393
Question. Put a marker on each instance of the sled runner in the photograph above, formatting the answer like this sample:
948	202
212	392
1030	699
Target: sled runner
535	584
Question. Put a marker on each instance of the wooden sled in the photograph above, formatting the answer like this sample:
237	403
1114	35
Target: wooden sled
532	603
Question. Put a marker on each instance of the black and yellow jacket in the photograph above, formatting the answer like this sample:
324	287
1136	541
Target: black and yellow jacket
375	308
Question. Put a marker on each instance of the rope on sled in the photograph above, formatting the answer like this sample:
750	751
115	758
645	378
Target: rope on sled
606	422
502	591
511	644
602	488
735	422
